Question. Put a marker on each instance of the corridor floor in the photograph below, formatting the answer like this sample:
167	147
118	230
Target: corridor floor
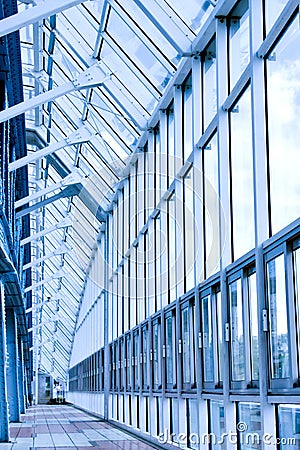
63	427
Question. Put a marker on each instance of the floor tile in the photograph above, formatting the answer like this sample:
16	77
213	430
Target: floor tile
58	427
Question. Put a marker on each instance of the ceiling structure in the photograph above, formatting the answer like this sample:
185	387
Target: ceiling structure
93	74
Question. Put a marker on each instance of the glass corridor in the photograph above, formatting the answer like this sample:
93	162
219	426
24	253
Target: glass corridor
149	215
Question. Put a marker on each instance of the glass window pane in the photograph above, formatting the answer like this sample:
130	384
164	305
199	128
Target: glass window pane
289	427
171	144
128	363
156	356
253	326
209	84
189	238
193	424
144	358
278	318
296	258
170	352
211	207
242	176
249	414
239	41
208	354
174	419
195	15
217	424
237	331
172	248
220	334
186	364
187	118
283	73
135	361
273	8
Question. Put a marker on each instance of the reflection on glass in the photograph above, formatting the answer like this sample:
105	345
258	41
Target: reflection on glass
137	51
170	352
121	364
174	419
189	238
128	363
296	259
209	84
144	359
116	64
217	423
278	318
186	364
196	13
237	331
115	367
172	249
211	207
253	325
208	355
283	73
242	176
289	427
171	143
159	411
193	423
156	355
273	8
169	349
249	414
220	334
158	169
187	118
135	361
239	41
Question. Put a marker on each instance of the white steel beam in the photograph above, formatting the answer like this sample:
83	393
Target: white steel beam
35	14
74	178
59	251
41	344
46	302
77	137
91	77
35	327
64	223
61	273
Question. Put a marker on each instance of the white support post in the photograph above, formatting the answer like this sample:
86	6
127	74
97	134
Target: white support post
13	395
4	418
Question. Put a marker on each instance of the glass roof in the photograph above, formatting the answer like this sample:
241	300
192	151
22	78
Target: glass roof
136	43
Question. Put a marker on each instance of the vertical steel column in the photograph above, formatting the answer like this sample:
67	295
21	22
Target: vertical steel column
198	169
21	377
261	205
225	220
105	238
12	366
4	433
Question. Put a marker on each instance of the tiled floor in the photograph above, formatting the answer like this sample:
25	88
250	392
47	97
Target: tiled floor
65	428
